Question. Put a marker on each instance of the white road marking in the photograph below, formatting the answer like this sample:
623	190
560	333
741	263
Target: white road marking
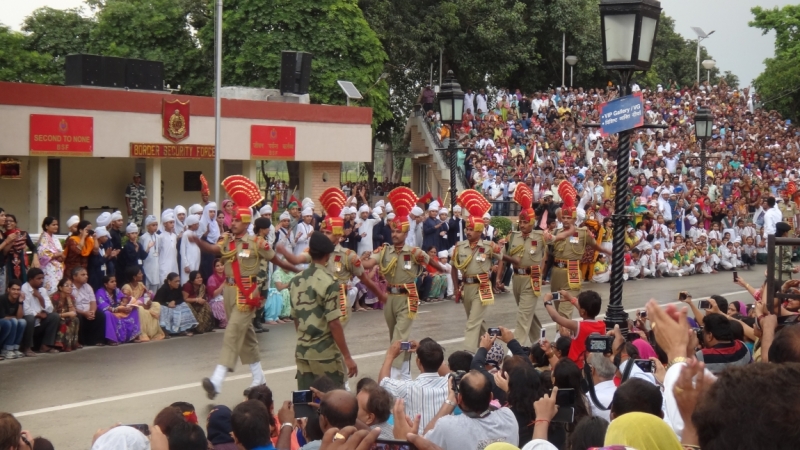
266	372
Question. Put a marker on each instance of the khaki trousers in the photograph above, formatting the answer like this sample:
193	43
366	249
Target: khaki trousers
476	326
395	311
528	325
240	338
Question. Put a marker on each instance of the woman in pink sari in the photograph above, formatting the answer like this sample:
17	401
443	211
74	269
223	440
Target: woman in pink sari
227	210
51	255
214	287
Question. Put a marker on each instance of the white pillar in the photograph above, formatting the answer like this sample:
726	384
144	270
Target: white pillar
306	181
37	193
153	186
250	169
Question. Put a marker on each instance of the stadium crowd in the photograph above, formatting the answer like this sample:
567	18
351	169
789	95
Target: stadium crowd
673	382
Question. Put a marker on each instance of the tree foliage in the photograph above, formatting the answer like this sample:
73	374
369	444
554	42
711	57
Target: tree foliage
779	84
57	33
17	63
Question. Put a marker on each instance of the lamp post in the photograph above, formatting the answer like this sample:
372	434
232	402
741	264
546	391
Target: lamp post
701	36
451	107
708	65
628	31
571	60
703	122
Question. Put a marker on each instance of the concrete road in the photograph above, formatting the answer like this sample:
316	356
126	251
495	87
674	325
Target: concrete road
67	397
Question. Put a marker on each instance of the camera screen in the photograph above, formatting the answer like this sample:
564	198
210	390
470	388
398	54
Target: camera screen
386	444
598	345
494	331
300	397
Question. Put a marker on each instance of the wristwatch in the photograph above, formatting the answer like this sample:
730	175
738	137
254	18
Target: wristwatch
548	303
287	424
450	402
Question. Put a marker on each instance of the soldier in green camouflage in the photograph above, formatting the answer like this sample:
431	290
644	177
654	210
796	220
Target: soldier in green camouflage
321	344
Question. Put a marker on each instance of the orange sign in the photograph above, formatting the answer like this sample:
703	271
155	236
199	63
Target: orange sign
271	142
188	151
175	120
61	135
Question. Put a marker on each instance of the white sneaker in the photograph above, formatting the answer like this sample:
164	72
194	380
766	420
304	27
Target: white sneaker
9	354
19	354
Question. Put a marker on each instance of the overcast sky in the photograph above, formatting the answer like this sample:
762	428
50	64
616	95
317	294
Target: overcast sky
734	45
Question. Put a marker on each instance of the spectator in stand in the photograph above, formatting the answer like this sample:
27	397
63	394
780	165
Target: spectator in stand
149	311
12	321
194	294
424	395
42	322
375	407
219	429
603	371
64	306
250	425
176	318
16	262
79	245
51	255
92	321
122	319
720	349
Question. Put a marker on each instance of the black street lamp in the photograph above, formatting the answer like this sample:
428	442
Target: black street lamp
703	122
451	108
629	32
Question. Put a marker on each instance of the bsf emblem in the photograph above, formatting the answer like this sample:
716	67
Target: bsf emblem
175	120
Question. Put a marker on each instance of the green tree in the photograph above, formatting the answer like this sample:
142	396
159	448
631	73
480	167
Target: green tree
18	63
779	84
154	30
343	45
57	33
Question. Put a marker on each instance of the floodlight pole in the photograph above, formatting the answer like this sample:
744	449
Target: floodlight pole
217	97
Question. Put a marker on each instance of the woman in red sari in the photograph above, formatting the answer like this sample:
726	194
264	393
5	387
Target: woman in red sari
64	306
16	261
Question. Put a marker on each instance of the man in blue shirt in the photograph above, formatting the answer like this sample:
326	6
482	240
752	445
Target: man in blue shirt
250	422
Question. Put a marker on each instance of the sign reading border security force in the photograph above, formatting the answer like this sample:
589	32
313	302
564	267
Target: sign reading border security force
622	114
179	151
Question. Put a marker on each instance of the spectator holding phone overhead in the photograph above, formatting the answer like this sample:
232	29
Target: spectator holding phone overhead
589	304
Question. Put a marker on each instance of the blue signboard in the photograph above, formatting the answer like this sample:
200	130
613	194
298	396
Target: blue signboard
622	114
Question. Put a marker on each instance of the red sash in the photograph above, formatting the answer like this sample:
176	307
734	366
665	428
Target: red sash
245	288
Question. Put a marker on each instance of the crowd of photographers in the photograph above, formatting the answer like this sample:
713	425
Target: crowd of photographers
688	375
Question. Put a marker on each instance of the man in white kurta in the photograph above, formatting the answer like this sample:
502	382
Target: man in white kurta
149	242
302	232
190	252
167	247
367	222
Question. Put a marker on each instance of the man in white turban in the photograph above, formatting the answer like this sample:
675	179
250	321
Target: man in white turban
167	246
103	219
148	240
302	232
414	222
190	252
73	222
365	224
434	230
196	209
116	229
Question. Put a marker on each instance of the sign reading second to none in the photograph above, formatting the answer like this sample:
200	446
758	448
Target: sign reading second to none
56	135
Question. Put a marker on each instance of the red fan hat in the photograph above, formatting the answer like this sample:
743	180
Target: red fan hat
477	205
524	196
244	194
333	200
402	200
568	195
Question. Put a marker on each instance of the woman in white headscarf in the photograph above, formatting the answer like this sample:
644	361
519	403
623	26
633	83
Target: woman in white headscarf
190	255
209	230
180	219
122	438
303	230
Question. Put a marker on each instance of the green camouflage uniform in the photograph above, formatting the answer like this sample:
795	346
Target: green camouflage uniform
136	195
343	265
315	303
480	262
530	250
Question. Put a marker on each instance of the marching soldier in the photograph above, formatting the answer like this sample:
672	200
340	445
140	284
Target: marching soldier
568	249
526	251
473	258
241	254
789	212
400	264
321	347
344	264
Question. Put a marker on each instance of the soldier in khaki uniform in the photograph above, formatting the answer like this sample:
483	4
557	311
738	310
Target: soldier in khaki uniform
526	251
788	213
321	346
473	258
568	248
400	264
242	255
344	264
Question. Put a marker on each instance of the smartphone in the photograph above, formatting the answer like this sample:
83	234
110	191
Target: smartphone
391	444
565	397
143	427
302	397
494	331
599	344
90	232
643	314
542	335
735	276
704	304
556	296
682	296
564	415
405	346
646	365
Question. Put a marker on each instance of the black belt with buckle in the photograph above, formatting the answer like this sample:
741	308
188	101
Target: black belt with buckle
522	271
397	290
472	280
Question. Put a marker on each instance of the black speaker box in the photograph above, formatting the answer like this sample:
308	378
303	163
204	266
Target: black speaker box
82	70
112	71
153	75
134	74
295	72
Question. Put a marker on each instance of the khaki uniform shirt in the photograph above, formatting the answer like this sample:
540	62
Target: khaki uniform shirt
343	264
249	250
788	211
569	250
530	249
402	267
481	257
315	302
